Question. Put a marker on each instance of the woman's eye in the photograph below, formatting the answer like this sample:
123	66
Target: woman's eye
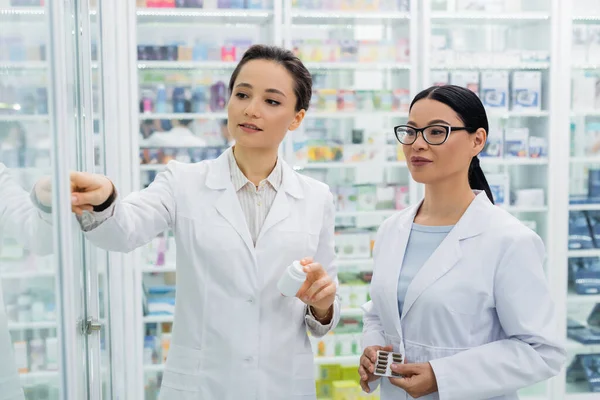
438	132
241	95
273	102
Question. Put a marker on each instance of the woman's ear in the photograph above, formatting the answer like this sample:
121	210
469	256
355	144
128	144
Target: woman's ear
479	139
297	120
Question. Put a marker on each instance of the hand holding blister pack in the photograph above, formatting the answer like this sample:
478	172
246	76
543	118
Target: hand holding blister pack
385	359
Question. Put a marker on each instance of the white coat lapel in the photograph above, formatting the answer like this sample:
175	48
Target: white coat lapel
281	208
228	204
448	253
389	260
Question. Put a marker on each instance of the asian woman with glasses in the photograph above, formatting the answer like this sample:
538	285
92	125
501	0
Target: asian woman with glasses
458	284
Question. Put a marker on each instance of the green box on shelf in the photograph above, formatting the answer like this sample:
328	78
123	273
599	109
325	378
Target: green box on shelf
350	373
324	389
330	372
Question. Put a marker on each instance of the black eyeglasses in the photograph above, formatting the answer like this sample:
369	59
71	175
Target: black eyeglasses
432	134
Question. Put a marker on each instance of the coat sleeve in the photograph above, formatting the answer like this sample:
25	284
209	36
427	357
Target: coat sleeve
21	220
532	351
137	219
373	332
325	255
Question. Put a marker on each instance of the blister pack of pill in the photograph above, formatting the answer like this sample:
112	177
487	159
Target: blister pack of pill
385	359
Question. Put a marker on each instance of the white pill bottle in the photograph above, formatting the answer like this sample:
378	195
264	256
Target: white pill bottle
292	279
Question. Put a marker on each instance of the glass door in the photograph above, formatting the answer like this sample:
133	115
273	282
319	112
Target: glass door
53	323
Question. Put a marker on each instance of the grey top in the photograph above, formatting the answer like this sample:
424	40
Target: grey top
422	242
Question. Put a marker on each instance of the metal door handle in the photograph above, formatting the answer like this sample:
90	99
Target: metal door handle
90	326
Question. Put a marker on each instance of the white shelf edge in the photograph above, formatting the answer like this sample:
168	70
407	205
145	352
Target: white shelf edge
337	360
17	117
584	253
155	268
585	113
27	274
211	115
513	161
158	319
346	262
22	11
517	66
578	18
584	207
585	160
525	209
585	66
203	13
357	65
154	367
340	14
310	114
518	114
374	213
487	16
351	312
21	326
142	64
23	65
321	165
575	298
38	375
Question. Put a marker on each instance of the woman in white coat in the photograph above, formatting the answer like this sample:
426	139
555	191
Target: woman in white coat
21	220
238	221
458	284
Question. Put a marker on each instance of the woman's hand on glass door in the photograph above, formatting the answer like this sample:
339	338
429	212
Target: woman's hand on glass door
89	190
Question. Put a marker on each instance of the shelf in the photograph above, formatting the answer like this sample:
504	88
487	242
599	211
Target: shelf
586	66
351	312
585	160
30	376
21	326
159	269
472	66
24	11
342	262
485	161
526	209
152	167
584	207
27	274
490	16
348	360
344	17
154	367
24	118
574	298
18	65
518	114
356	66
334	165
186	65
158	319
584	253
583	18
191	15
375	213
585	113
355	114
210	115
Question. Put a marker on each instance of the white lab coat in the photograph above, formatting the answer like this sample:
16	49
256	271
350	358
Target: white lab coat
234	335
479	310
19	219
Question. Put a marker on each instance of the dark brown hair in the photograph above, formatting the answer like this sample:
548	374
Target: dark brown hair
301	76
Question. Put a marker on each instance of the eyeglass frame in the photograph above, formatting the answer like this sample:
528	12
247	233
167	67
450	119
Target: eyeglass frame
447	128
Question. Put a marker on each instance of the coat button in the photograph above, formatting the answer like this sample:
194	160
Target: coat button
250	300
249	359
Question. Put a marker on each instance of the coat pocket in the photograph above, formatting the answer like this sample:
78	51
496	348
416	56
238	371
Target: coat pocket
182	370
304	375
